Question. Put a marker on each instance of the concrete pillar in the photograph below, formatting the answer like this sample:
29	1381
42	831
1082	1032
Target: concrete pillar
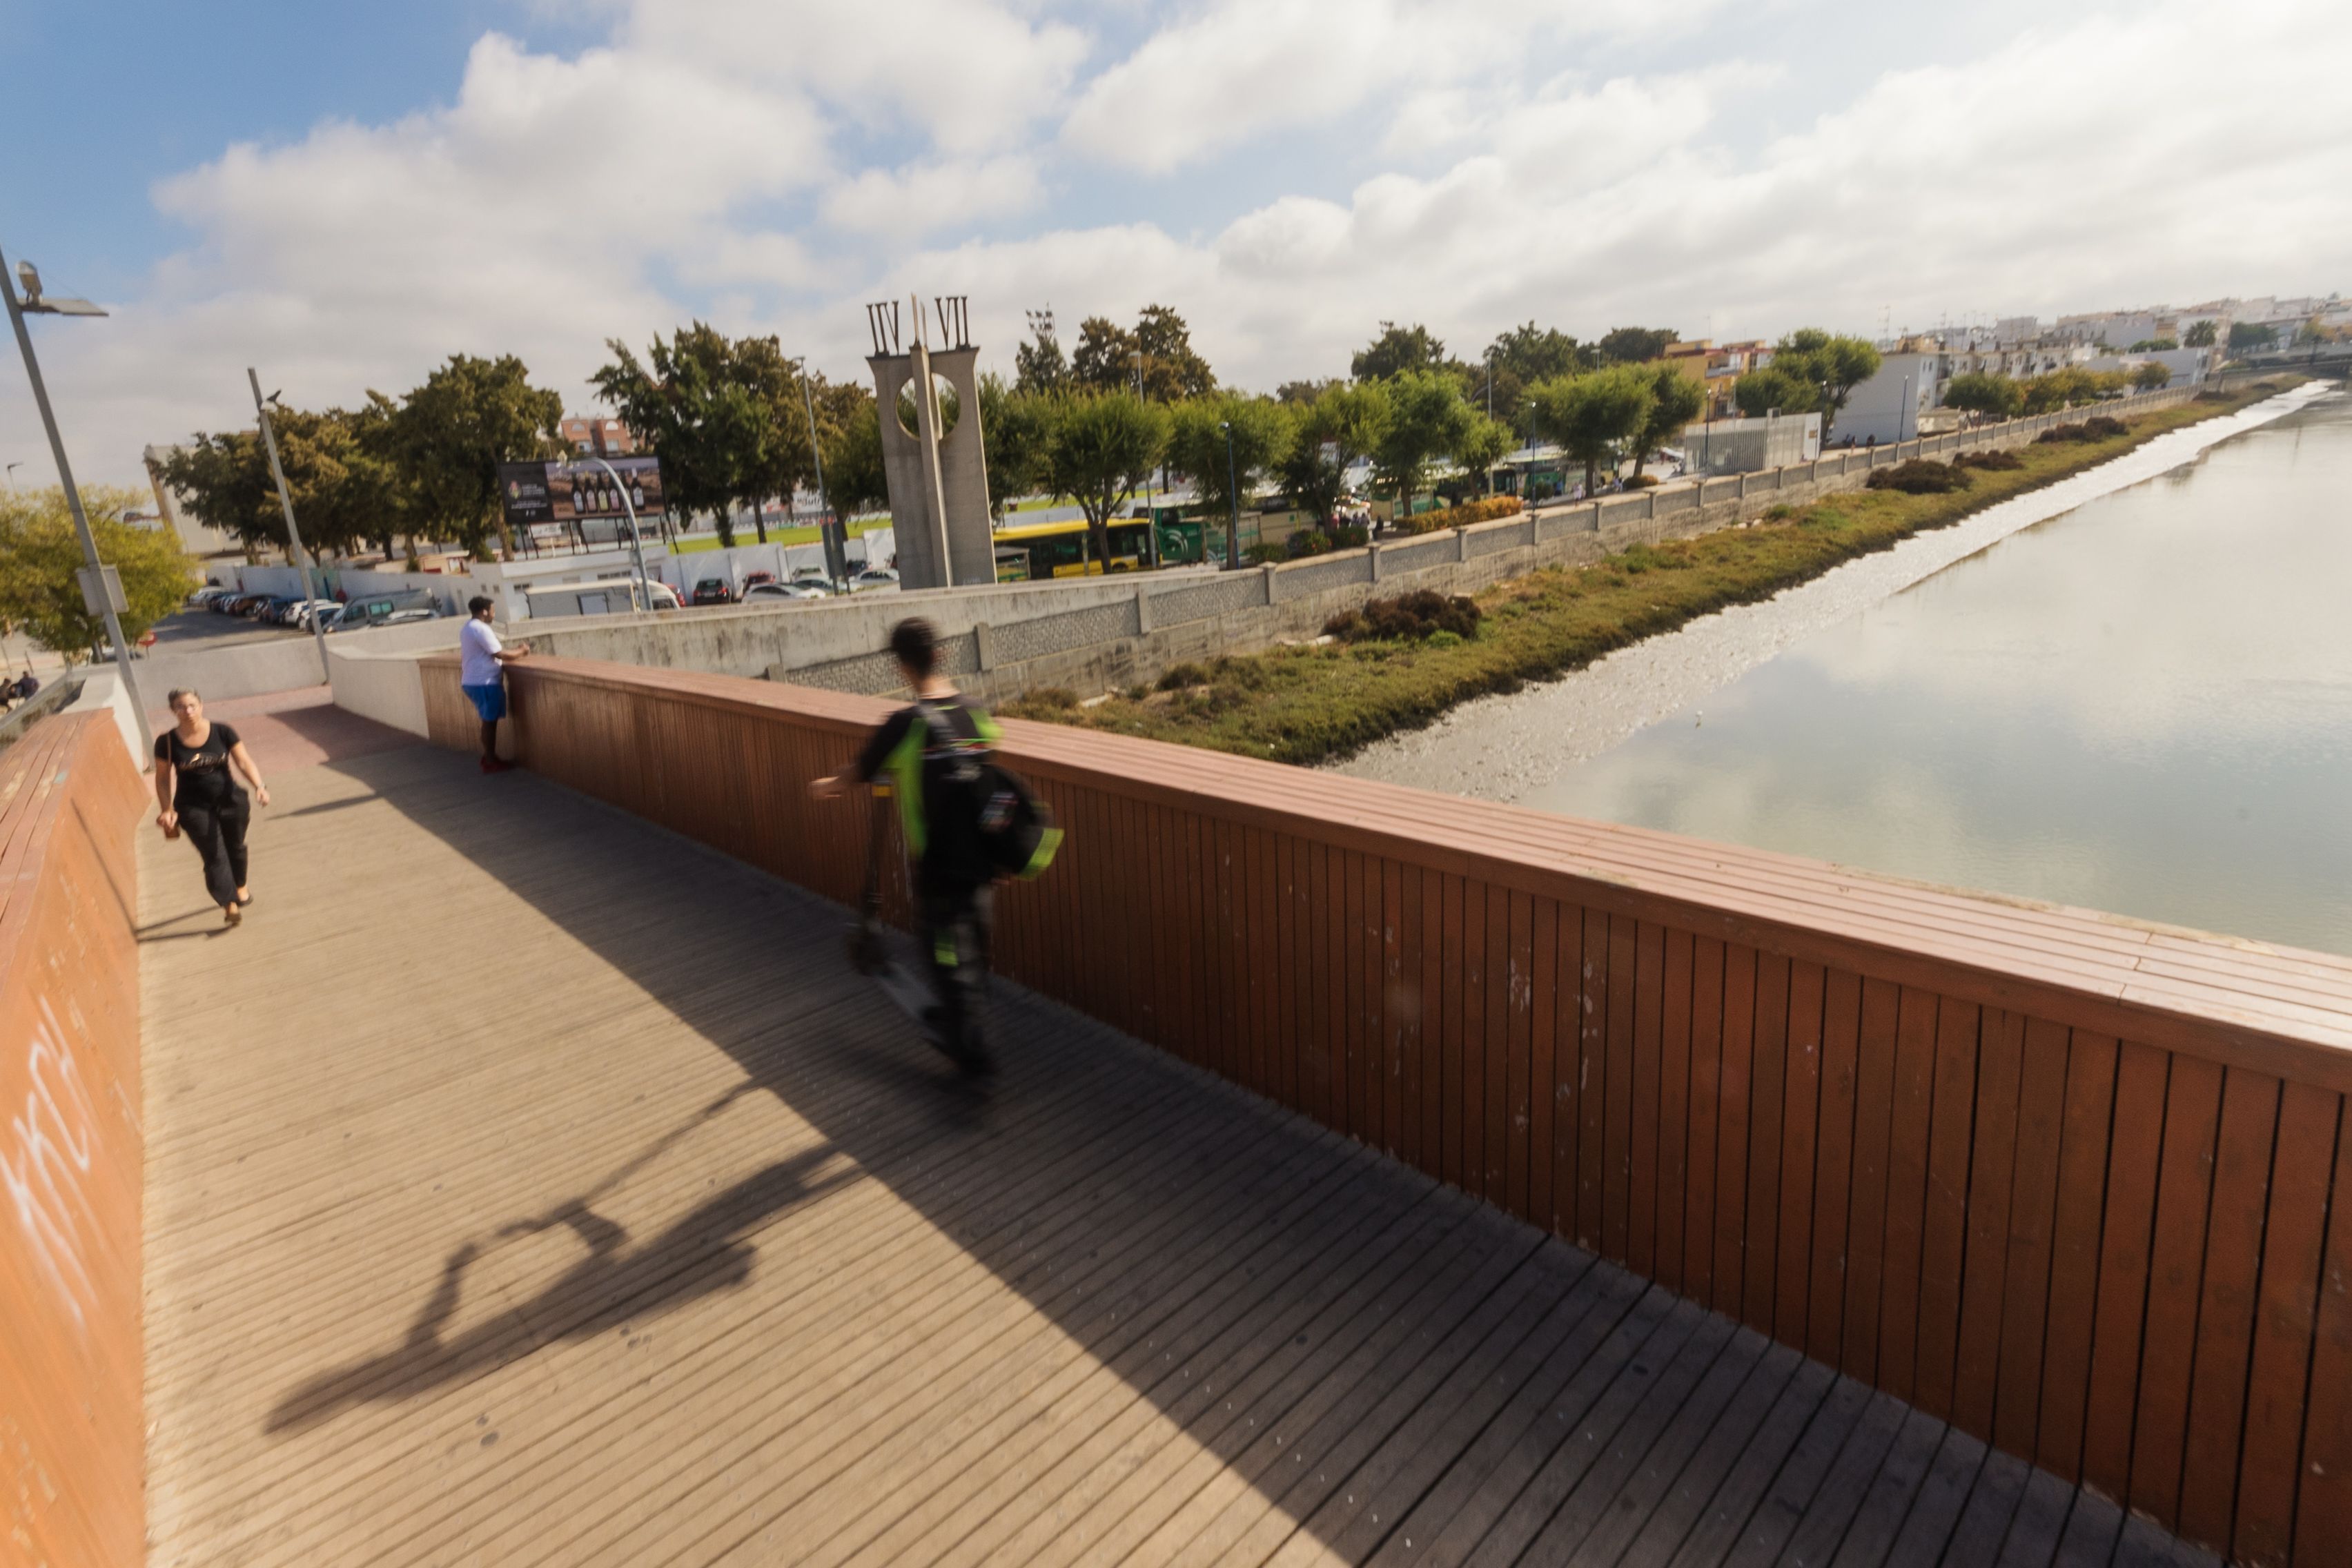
1142	611
1269	570
1376	562
1742	492
1652	510
984	645
1460	545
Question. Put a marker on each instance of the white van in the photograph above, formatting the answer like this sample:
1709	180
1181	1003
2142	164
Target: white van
612	596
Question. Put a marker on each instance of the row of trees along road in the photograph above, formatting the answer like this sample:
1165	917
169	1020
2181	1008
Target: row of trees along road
725	415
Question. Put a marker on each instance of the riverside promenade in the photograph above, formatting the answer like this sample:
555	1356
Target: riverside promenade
527	1185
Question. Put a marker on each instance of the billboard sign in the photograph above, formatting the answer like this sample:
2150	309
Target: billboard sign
566	492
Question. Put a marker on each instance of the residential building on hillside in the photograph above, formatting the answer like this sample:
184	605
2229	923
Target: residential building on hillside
1888	406
598	435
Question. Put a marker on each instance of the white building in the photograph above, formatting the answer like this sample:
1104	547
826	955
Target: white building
1887	407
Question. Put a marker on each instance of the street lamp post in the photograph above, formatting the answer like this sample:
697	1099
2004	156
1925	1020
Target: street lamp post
835	533
102	589
1234	500
293	534
636	540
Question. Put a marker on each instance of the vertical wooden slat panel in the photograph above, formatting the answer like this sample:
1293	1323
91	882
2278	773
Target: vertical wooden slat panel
1363	1074
2133	1154
1649	1033
1592	1080
2001	1054
1944	1224
1567	1067
1519	991
1799	1134
2077	1247
1766	1109
1877	1055
1616	1192
1737	1087
2225	1317
1434	1055
2280	1376
1834	1183
1673	1105
1450	1017
1396	1021
1330	981
1404	1004
1546	1013
2322	1515
1473	1110
1705	1119
2193	1113
2040	1127
1906	1192
1496	1121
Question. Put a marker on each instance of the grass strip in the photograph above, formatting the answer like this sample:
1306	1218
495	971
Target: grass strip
1310	704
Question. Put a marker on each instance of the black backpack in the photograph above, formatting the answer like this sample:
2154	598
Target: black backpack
982	818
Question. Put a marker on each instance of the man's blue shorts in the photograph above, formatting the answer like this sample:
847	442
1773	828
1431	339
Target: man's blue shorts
489	701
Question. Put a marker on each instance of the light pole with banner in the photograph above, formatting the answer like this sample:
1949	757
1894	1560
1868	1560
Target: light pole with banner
636	540
102	588
293	534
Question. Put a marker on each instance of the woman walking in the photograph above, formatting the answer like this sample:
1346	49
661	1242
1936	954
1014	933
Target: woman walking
197	791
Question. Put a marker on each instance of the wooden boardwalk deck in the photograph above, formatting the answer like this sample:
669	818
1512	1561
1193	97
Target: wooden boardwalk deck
528	1186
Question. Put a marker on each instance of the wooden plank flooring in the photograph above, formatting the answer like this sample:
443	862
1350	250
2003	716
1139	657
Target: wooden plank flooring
528	1186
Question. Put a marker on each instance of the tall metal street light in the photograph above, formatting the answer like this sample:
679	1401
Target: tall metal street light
99	586
293	534
1234	498
834	531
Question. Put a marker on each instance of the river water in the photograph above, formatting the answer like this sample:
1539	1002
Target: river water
2131	691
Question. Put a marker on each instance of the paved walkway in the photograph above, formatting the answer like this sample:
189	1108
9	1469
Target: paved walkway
528	1186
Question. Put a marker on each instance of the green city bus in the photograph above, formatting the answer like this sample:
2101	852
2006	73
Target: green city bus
1046	550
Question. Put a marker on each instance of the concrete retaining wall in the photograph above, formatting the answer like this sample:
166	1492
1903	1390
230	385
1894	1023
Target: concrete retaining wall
279	663
385	687
1154	626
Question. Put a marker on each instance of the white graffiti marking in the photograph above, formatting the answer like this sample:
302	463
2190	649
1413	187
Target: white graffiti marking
46	1162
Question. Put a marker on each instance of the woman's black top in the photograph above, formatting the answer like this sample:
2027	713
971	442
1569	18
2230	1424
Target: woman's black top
201	772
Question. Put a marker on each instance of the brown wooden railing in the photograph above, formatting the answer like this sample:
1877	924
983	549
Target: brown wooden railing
72	1440
2080	1184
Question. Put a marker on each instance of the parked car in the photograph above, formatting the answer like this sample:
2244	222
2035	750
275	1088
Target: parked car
754	579
811	574
202	599
873	577
304	610
233	604
769	592
713	590
378	609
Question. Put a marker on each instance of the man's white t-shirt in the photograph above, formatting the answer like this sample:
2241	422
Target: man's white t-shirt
477	655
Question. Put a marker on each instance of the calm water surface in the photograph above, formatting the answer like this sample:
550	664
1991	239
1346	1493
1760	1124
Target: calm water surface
2143	705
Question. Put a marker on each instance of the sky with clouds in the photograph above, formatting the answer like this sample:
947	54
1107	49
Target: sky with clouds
344	195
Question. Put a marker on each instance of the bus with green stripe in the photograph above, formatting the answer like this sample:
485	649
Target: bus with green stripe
1035	552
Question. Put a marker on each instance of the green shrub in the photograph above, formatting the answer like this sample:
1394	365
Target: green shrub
1485	510
1308	541
1182	676
1443	638
1045	703
1408	618
1988	460
1642	481
1264	553
1920	476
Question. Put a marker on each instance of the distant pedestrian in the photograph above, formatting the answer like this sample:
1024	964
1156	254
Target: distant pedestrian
196	765
479	655
26	686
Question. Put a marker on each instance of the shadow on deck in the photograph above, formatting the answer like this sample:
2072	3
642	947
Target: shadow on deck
530	1186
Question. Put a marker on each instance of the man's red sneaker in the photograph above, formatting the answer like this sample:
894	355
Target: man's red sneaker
497	765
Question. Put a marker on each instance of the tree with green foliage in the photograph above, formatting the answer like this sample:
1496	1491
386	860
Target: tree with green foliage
1772	390
2251	337
1483	444
1103	448
1832	366
1519	358
1984	395
1172	369
2152	345
2071	385
40	550
452	433
1634	345
340	474
2153	376
1262	436
1346	423
687	402
1015	429
1396	351
1592	417
1303	394
1427	420
1675	399
856	480
1039	365
1104	360
2201	333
